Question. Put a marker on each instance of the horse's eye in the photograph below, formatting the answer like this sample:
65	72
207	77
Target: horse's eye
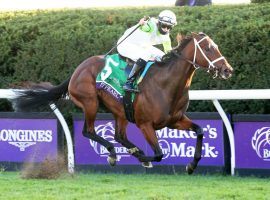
207	49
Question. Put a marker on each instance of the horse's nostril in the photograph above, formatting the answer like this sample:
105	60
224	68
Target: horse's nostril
227	71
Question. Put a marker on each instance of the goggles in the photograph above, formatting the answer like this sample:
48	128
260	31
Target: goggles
168	26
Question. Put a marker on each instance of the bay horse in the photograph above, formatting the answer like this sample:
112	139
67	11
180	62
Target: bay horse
162	101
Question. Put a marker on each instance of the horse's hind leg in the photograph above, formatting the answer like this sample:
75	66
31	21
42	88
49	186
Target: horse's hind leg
90	110
186	124
198	151
121	137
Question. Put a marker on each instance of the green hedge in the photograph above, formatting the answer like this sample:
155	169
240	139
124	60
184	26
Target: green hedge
260	1
48	45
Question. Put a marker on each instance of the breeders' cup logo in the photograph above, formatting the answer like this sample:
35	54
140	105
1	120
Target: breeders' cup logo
165	147
107	131
261	143
25	138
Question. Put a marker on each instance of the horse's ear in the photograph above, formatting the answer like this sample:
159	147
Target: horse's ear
194	34
179	38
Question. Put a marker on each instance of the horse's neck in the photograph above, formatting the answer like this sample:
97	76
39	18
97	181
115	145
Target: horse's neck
179	93
176	82
184	69
183	73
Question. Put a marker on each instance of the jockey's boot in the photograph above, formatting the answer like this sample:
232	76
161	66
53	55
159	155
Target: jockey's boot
129	85
132	76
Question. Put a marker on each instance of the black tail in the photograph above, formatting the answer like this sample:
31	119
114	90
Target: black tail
32	99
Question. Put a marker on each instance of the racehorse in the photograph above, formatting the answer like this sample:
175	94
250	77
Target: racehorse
162	101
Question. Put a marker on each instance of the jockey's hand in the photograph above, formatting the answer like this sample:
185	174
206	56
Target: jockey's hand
144	20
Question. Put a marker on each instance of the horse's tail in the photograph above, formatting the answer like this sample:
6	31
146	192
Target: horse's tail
29	99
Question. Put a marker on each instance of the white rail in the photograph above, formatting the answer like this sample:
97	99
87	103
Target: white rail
229	94
212	95
215	95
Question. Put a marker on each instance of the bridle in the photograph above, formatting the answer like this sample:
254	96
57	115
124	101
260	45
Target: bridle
211	66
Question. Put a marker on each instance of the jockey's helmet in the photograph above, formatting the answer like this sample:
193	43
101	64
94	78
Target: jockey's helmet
166	21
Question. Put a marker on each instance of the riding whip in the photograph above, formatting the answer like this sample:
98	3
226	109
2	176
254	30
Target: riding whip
146	18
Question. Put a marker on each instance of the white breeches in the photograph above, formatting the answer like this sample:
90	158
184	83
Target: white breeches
134	52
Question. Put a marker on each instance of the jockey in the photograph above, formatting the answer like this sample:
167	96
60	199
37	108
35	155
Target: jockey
139	46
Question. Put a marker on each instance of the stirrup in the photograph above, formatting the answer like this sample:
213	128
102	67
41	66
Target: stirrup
129	88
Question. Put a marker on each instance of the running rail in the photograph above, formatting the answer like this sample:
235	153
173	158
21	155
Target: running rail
211	95
215	95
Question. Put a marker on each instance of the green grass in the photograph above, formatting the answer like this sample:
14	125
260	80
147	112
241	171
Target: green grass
136	186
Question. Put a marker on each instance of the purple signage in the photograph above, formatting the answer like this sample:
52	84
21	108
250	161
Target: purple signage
178	146
27	140
90	152
252	145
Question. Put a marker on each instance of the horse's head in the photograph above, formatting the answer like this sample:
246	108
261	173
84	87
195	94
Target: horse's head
207	55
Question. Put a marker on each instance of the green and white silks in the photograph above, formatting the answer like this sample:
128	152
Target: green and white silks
140	44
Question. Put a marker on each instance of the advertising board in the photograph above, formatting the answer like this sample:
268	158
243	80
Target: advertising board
178	146
27	137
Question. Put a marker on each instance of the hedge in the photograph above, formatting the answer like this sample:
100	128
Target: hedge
48	45
260	1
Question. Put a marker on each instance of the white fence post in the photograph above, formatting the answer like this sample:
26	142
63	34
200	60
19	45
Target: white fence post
67	136
229	131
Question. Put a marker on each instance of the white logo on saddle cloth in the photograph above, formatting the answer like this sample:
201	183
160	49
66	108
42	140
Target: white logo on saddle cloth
107	131
106	72
261	143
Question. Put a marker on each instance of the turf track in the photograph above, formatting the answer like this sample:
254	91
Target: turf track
135	186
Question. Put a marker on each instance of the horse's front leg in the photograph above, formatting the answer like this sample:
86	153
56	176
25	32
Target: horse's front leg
186	124
121	137
151	137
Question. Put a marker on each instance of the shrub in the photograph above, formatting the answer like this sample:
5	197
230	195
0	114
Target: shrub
260	1
49	45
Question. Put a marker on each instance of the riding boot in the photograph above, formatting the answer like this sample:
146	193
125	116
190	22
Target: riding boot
132	76
129	85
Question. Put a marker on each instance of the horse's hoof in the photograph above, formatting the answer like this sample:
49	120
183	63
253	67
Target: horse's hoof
147	164
189	169
111	161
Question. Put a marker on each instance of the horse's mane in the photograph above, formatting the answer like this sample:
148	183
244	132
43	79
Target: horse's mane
176	51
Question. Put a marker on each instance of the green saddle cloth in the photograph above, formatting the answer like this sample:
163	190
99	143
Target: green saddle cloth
113	77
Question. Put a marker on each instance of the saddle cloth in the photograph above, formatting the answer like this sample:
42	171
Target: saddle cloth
113	76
